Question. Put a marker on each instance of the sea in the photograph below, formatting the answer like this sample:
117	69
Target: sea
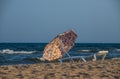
24	53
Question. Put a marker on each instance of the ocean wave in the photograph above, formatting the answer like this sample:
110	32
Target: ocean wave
86	50
118	50
8	51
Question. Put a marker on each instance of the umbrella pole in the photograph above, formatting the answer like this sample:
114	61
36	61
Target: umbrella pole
71	60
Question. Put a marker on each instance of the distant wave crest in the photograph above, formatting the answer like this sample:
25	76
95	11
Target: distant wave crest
118	50
8	51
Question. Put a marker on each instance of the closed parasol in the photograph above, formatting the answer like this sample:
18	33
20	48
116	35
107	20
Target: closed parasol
60	45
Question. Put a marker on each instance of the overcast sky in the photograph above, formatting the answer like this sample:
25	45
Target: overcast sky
95	21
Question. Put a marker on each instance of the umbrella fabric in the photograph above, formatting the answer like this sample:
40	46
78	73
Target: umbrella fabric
60	45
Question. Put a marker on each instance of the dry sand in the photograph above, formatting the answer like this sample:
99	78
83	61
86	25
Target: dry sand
109	69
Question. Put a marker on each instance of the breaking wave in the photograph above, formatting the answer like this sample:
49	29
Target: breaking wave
83	50
118	50
8	51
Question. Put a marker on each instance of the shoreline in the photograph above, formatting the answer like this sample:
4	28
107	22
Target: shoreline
108	69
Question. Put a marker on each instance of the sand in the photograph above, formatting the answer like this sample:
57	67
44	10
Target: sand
109	69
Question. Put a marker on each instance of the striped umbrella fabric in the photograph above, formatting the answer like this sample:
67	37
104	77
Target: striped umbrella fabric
60	45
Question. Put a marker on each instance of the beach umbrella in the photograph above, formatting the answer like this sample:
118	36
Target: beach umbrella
60	45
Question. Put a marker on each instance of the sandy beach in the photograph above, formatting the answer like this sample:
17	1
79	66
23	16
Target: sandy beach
109	69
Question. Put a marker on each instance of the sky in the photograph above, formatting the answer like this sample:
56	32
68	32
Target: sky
95	21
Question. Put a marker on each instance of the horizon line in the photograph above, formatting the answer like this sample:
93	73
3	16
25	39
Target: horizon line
75	42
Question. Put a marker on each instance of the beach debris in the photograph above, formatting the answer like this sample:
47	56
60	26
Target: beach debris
60	45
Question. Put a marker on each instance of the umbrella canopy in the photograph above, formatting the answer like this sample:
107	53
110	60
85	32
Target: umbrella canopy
60	45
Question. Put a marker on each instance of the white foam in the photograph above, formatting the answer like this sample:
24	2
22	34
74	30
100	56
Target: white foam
84	50
118	50
8	51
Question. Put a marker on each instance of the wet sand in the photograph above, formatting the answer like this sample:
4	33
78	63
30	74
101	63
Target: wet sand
109	69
